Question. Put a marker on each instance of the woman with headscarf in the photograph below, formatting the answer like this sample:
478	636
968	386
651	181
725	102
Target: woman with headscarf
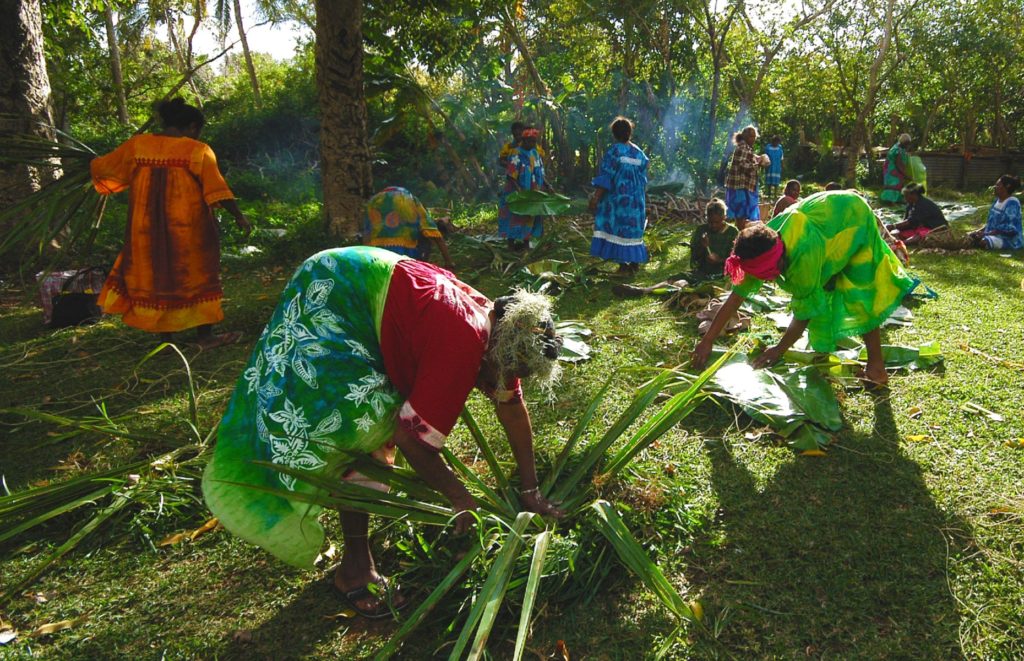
825	251
897	170
369	351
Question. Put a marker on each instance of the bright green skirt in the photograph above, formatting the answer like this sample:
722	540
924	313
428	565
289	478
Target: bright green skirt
313	395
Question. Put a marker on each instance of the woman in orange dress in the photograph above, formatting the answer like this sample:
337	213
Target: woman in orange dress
167	277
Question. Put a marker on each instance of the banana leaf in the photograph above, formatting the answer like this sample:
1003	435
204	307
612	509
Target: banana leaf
799	405
538	203
925	356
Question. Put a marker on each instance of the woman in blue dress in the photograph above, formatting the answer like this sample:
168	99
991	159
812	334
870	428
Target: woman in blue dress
525	171
1003	229
773	177
619	203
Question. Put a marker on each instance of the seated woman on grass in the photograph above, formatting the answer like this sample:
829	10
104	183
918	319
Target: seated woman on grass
368	351
710	246
827	253
921	217
790	196
1002	231
396	221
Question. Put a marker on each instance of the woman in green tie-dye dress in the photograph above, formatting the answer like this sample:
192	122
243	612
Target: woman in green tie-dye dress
826	251
368	352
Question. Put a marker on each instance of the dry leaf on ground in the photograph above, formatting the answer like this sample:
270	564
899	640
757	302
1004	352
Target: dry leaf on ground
54	627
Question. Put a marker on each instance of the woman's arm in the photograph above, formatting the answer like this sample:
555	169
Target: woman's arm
428	464
703	349
515	419
231	206
442	245
771	355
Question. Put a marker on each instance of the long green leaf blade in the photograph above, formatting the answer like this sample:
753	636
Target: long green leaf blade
540	552
491	594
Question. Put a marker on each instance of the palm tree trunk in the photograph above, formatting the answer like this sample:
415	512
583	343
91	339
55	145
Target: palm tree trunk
344	149
24	94
256	96
115	64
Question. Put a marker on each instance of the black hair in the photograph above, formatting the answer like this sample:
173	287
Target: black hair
790	184
913	188
776	139
517	127
622	129
715	207
180	115
833	186
755	240
1011	182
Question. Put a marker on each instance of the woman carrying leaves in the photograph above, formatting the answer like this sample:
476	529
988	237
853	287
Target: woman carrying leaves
369	351
619	202
525	171
167	277
897	170
825	251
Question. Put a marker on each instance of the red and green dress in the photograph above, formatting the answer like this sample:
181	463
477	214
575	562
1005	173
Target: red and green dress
841	274
362	340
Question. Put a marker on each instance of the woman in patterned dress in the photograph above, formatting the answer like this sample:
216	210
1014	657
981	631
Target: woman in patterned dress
167	277
619	202
825	251
368	351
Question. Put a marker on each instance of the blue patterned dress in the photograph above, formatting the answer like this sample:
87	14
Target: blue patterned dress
622	212
773	177
525	172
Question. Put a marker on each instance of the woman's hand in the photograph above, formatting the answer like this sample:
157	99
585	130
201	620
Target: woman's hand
465	520
768	357
592	204
534	502
700	355
244	225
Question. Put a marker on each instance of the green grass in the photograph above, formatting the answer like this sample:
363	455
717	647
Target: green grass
884	548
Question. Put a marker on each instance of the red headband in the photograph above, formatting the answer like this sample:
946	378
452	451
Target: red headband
763	267
530	133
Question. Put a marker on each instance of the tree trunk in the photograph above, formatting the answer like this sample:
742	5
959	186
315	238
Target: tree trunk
860	136
256	96
24	94
115	64
344	151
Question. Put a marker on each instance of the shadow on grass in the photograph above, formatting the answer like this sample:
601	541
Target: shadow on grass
838	557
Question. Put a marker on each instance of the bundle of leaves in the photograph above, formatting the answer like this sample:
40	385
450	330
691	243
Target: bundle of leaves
512	552
67	210
505	563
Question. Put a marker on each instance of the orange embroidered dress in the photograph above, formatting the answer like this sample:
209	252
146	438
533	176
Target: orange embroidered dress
167	277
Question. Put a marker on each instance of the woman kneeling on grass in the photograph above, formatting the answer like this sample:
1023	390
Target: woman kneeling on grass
825	251
368	351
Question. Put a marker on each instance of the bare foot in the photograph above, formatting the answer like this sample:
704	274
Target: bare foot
873	378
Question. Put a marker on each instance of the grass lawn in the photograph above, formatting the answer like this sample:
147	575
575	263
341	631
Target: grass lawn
904	541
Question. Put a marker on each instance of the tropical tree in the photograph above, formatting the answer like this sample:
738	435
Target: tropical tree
24	93
344	151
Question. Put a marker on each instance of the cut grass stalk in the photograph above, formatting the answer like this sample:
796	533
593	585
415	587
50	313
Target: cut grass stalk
636	559
417	616
485	607
540	552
